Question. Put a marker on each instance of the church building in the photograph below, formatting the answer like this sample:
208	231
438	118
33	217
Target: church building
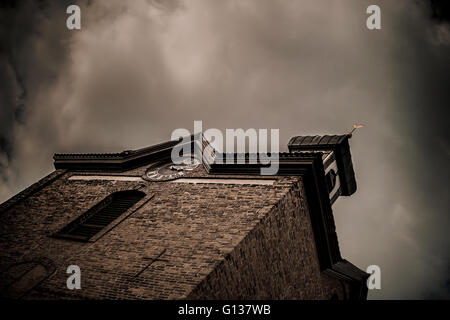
134	225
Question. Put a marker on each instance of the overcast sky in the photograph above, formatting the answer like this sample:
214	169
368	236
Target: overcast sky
139	69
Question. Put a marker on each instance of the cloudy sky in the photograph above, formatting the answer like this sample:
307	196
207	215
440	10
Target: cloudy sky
139	69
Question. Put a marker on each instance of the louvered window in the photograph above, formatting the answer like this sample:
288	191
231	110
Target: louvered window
100	216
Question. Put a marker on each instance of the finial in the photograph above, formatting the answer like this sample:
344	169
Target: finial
355	126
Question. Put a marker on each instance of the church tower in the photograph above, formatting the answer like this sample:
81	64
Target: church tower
141	227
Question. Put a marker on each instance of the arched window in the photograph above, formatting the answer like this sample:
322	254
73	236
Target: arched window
18	279
100	216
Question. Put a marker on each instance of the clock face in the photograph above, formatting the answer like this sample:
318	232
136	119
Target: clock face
170	171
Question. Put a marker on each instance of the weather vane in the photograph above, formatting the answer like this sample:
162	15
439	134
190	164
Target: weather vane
355	126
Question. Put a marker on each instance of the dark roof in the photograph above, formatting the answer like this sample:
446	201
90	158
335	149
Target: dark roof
317	140
337	143
355	277
120	155
113	161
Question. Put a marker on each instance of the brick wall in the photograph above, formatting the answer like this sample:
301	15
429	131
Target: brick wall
276	260
211	240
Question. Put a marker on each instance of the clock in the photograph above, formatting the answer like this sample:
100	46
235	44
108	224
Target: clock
170	171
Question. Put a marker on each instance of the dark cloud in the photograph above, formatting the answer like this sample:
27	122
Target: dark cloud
139	69
440	10
33	55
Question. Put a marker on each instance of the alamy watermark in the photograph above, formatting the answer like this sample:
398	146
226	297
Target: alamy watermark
257	146
374	280
73	22
373	22
74	280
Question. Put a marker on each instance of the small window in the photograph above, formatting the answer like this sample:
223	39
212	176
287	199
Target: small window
100	216
331	180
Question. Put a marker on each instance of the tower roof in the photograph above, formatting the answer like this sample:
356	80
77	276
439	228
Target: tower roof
340	146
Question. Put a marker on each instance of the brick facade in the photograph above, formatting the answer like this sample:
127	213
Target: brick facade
182	240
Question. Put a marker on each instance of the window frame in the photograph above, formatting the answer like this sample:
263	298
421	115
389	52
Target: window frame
64	232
